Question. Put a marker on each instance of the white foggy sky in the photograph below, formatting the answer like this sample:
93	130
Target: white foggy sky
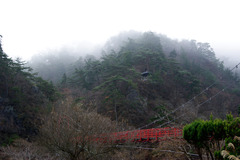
32	26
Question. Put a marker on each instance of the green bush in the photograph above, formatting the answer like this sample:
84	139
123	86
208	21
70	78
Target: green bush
207	134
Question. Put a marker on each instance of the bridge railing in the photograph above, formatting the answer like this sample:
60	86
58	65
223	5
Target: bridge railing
148	135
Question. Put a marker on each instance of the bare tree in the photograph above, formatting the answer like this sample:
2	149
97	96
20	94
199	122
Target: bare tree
76	134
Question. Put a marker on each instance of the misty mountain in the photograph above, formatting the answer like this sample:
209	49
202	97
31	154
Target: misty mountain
51	65
178	71
142	80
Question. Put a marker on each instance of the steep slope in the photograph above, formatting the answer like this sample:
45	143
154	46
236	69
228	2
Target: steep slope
178	72
22	98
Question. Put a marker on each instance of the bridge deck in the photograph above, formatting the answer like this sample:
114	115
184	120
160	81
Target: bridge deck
148	135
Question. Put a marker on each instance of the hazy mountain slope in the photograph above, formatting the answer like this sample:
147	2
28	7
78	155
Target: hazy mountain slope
178	72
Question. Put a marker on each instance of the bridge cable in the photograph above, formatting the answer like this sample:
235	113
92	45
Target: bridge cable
199	105
184	105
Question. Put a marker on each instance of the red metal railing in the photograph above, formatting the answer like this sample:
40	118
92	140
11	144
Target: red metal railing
144	135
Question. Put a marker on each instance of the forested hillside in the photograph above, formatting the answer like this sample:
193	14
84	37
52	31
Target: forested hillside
141	80
23	97
178	71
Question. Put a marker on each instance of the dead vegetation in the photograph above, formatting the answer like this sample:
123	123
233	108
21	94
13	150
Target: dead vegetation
23	150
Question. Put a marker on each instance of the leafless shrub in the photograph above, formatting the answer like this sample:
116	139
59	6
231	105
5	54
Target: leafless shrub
74	133
173	149
126	154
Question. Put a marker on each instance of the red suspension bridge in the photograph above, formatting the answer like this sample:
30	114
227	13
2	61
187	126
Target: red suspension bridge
144	135
140	135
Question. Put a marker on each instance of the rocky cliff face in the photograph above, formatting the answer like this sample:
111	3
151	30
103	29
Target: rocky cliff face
13	123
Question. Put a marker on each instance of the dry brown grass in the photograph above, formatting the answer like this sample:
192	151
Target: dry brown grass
23	150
